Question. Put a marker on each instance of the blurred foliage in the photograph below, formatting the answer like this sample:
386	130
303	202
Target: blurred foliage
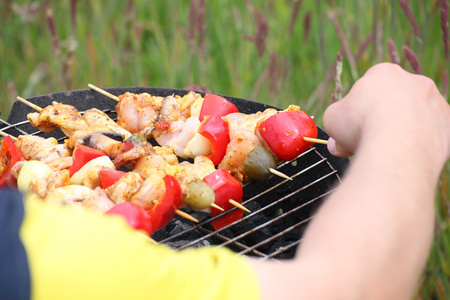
276	52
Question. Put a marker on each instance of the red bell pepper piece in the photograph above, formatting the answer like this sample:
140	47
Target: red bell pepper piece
284	132
225	187
164	210
214	105
136	216
13	155
217	132
82	155
109	177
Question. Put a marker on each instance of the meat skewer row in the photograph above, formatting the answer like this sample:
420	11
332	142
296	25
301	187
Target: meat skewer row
109	95
56	185
94	129
39	176
173	130
54	161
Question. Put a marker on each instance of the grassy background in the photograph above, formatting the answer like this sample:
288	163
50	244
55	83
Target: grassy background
277	52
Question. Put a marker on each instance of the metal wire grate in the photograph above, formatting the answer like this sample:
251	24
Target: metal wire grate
280	208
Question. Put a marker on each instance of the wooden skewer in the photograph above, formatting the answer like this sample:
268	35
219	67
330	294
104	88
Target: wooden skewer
186	216
5	134
238	205
109	95
317	141
34	106
217	207
182	214
278	173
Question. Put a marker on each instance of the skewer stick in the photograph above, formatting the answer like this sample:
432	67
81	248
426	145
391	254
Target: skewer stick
217	207
186	216
34	106
182	214
278	173
5	134
109	95
238	205
317	141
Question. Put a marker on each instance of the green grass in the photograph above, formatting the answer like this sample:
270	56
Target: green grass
148	44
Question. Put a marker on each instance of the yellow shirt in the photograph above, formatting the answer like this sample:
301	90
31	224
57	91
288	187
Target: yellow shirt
83	255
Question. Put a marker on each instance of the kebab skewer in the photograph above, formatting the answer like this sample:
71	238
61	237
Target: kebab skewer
170	127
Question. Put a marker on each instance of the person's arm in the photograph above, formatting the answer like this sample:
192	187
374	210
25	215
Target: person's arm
371	238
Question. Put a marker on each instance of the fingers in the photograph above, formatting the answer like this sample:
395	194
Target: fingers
338	121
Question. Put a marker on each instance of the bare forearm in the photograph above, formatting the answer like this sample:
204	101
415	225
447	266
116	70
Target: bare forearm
375	229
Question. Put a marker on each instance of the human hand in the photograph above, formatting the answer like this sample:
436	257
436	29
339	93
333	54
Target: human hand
388	102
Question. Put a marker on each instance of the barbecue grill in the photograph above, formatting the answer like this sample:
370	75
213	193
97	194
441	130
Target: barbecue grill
280	208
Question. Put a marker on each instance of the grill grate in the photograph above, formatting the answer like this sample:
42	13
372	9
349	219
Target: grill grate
280	208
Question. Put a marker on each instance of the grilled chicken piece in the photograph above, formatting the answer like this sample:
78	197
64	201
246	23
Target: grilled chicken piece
133	154
170	110
173	109
100	138
167	155
242	141
190	105
31	145
250	121
58	179
63	163
152	189
43	186
123	189
54	153
56	116
162	158
69	195
98	201
96	118
135	112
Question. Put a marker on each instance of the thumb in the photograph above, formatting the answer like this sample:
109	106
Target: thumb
336	150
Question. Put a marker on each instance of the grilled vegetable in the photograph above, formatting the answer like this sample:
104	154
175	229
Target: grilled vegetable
258	162
201	195
136	139
11	155
226	188
109	177
30	170
82	155
214	105
217	132
164	210
284	132
136	216
92	167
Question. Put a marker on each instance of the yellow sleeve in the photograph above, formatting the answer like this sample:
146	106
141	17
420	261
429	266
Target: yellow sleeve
82	255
